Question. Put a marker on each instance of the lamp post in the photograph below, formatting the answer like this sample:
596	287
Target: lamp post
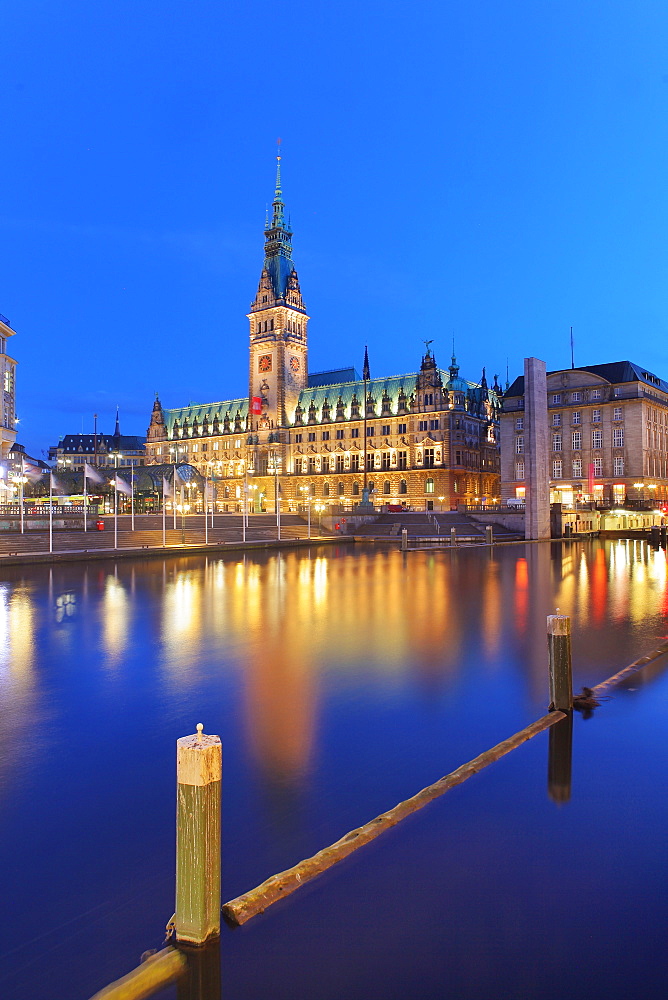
319	509
20	482
274	469
183	509
306	490
440	500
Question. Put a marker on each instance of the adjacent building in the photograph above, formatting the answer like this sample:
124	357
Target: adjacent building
428	438
102	450
608	435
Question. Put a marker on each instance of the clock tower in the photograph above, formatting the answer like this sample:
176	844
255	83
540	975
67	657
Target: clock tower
278	340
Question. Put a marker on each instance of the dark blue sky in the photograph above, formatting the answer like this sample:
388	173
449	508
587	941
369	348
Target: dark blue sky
494	170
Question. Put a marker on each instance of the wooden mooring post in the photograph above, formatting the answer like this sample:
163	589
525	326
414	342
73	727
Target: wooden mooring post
559	653
559	760
453	536
489	534
404	538
199	771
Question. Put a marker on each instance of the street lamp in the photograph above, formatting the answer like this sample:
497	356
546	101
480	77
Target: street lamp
320	508
19	483
183	509
306	490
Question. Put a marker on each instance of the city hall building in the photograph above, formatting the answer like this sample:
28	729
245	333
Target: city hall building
428	439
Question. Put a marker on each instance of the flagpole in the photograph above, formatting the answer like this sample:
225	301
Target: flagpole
51	511
206	513
84	496
174	496
116	511
163	512
132	499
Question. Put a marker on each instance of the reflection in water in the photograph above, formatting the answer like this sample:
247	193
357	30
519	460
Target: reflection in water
115	614
560	753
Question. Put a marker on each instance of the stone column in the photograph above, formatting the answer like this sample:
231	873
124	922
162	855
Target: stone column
537	457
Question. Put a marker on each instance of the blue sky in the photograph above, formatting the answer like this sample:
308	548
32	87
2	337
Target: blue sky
490	170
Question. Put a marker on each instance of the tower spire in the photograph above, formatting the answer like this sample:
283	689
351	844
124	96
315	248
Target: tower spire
279	219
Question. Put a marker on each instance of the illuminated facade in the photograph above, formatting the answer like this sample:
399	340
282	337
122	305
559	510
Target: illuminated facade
428	439
608	435
8	375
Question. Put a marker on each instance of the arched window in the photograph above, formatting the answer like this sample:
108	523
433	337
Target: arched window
341	489
403	487
356	489
325	489
429	486
386	487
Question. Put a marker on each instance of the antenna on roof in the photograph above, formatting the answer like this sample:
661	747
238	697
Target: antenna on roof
572	354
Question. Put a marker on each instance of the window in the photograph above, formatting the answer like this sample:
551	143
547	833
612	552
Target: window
618	466
9	380
325	435
519	423
557	469
385	460
311	465
556	420
429	486
577	440
597	439
298	438
403	488
428	399
370	460
325	490
355	432
401	459
311	435
401	428
339	463
596	394
354	463
423	425
616	413
385	429
598	466
556	442
340	434
576	397
519	447
577	468
595	416
386	487
434	425
577	416
429	458
519	469
356	489
216	445
458	457
370	431
556	398
618	437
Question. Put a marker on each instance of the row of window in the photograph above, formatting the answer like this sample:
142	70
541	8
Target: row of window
385	431
576	440
576	417
596	439
576	396
576	468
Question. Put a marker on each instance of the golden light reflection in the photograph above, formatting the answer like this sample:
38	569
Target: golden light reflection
115	614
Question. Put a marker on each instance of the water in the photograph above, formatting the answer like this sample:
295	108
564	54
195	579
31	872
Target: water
341	682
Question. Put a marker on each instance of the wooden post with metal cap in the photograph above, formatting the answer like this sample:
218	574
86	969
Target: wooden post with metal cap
199	767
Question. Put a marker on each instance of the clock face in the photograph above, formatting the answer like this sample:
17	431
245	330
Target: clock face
295	364
264	364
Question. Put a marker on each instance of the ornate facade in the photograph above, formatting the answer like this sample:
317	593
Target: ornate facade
428	439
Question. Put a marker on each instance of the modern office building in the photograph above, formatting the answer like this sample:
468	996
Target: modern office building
428	438
608	435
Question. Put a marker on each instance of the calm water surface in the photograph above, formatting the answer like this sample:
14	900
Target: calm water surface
340	682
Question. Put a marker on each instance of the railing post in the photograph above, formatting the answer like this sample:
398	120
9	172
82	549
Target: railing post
404	538
199	771
559	653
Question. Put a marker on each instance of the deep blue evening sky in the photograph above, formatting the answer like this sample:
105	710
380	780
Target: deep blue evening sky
497	170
